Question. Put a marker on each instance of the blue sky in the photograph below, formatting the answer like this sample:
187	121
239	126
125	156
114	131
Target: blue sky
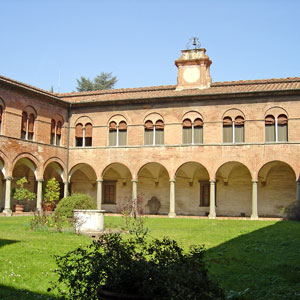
138	41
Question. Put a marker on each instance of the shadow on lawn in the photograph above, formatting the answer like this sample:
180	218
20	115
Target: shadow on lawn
4	242
263	264
10	293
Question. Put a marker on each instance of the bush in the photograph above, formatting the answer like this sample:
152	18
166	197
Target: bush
66	205
292	212
155	269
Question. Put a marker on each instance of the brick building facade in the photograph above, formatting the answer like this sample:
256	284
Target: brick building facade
195	148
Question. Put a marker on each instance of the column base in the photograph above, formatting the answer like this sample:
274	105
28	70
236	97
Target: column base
254	217
212	216
8	212
172	214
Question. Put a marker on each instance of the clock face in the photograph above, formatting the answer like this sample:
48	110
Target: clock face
191	74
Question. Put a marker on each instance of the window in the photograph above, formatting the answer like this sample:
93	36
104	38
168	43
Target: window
233	131
117	134
27	126
204	193
276	129
192	133
83	135
109	192
55	138
154	134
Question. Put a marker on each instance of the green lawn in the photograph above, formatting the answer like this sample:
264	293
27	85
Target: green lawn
261	256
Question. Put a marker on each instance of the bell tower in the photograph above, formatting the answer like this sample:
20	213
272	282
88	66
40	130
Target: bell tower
193	68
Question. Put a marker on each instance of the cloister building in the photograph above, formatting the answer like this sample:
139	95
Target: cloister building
196	148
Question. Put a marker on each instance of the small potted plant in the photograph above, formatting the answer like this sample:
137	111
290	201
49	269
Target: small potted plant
51	195
21	194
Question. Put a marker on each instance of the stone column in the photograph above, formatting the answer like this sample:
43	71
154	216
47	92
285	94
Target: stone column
134	195
99	193
254	215
172	213
66	191
39	195
7	206
212	200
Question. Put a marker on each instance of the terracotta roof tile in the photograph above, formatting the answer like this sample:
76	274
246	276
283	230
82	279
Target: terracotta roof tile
217	88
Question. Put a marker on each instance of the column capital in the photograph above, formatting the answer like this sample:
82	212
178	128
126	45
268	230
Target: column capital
212	181
254	181
298	180
172	180
9	178
134	180
40	180
66	182
99	180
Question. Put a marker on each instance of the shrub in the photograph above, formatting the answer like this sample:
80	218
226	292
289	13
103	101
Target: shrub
22	194
292	212
52	191
76	201
155	269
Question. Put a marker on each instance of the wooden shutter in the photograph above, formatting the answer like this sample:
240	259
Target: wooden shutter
31	123
187	123
52	126
159	124
24	121
227	130
88	130
79	131
58	128
122	126
112	126
282	122
149	125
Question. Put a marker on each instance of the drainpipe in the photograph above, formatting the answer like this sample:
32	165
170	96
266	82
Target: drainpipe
68	145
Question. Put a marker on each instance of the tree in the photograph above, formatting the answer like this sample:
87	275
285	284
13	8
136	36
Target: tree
104	81
52	192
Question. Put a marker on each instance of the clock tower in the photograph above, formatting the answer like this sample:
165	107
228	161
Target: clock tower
193	70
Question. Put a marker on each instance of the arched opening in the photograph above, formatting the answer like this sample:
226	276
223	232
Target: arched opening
24	167
55	170
153	181
83	180
276	188
192	189
233	190
116	188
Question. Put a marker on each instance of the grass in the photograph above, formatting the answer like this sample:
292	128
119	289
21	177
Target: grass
259	258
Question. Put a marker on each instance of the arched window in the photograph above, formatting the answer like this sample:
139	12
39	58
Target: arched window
84	135
27	126
79	135
233	131
55	132
148	136
1	112
154	134
276	129
117	134
192	133
88	134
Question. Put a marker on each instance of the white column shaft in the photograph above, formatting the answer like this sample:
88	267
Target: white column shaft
39	195
254	214
7	207
172	213
99	193
212	200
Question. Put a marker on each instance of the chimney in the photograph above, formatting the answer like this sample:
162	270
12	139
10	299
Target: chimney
193	70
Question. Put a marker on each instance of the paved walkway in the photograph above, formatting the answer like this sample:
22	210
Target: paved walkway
160	216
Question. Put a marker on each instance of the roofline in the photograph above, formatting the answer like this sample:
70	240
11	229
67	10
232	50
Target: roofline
31	88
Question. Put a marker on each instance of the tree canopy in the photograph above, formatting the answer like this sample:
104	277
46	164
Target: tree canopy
103	81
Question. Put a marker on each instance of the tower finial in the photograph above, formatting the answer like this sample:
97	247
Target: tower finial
195	42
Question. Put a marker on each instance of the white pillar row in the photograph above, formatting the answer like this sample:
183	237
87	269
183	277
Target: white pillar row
212	200
39	195
66	189
254	214
172	213
99	193
134	195
298	192
7	205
